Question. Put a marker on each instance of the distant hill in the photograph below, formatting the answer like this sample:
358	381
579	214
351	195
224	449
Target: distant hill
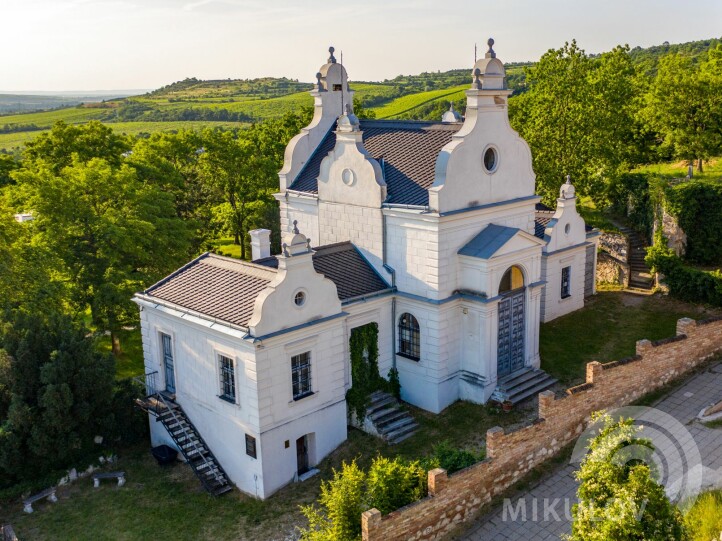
194	103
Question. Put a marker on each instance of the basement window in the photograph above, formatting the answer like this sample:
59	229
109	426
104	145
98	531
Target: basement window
251	446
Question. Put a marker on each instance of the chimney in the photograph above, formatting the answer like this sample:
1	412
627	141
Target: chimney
260	243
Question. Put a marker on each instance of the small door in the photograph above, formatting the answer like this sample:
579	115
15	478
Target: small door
168	363
510	345
302	454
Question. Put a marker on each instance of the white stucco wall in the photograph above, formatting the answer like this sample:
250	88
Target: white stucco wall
554	305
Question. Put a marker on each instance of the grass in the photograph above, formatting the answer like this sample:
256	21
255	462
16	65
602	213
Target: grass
717	423
225	246
404	104
712	169
130	362
704	519
608	329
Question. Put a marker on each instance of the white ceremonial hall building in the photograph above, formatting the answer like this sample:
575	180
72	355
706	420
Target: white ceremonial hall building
430	230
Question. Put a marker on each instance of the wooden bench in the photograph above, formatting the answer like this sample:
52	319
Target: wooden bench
119	475
48	493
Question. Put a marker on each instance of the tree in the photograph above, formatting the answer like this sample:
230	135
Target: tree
618	497
7	165
114	234
243	174
684	106
60	393
57	147
578	117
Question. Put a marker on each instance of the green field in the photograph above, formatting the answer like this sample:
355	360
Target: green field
406	104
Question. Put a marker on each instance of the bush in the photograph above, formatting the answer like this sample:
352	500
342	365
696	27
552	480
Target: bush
704	519
686	283
629	195
388	485
450	458
696	205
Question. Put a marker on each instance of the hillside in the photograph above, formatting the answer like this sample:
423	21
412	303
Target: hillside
194	103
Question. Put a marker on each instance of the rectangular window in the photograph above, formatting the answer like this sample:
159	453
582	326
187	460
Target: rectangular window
228	378
301	375
337	88
566	285
250	446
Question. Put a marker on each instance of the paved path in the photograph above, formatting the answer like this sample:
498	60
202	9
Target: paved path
548	505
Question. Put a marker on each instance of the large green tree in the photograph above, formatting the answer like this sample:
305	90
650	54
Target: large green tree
114	233
684	106
578	117
245	176
618	497
60	390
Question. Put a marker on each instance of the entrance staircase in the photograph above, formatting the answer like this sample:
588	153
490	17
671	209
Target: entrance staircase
522	385
640	274
190	443
391	421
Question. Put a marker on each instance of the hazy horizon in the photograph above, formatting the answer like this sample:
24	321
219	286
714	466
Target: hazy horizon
121	45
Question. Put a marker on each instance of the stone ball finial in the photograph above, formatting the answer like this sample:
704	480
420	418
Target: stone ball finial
490	43
318	77
295	227
567	191
331	58
490	53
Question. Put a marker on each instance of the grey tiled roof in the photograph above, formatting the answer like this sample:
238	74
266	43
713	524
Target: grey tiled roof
408	148
217	286
542	218
487	243
344	265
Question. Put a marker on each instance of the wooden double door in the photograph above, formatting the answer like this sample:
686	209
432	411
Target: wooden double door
512	323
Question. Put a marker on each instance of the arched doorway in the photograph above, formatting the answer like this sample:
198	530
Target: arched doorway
510	345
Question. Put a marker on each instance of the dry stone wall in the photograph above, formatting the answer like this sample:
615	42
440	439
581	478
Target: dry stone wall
458	498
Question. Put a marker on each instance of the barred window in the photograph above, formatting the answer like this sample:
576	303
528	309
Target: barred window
409	339
250	446
301	375
228	378
566	284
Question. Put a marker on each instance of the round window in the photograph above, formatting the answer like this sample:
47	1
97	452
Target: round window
300	298
348	177
490	159
567	228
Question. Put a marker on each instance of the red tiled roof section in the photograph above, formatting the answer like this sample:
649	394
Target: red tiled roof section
219	287
408	148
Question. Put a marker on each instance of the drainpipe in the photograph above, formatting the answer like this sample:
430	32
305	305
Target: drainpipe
392	272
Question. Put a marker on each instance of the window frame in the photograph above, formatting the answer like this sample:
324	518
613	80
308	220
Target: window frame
566	282
297	380
409	337
231	399
251	442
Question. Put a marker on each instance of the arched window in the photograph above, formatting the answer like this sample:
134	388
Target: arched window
513	279
409	337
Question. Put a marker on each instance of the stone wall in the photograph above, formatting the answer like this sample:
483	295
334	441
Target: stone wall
675	235
458	498
8	534
611	270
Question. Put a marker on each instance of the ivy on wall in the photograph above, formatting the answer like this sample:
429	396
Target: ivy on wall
365	377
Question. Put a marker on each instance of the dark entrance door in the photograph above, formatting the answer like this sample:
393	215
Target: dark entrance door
168	363
302	454
510	346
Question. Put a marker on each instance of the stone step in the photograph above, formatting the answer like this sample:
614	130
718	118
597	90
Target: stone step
401	434
379	415
390	419
529	388
532	391
379	405
516	378
397	424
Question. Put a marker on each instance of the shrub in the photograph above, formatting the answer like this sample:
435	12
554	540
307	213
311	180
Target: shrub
686	283
450	458
391	484
618	496
704	519
395	383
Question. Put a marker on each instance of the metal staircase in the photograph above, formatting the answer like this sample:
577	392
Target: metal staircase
190	443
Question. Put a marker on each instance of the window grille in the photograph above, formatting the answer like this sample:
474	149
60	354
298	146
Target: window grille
409	337
566	285
301	375
228	379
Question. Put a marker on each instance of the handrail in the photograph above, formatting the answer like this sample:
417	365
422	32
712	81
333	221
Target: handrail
194	442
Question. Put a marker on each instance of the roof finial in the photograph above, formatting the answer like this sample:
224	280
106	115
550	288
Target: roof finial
569	179
318	80
490	53
451	106
295	227
331	58
477	79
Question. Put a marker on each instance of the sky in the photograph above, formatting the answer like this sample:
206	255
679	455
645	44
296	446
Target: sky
55	45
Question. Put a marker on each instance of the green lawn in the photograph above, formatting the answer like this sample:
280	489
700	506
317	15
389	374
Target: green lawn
608	329
225	246
712	169
130	362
